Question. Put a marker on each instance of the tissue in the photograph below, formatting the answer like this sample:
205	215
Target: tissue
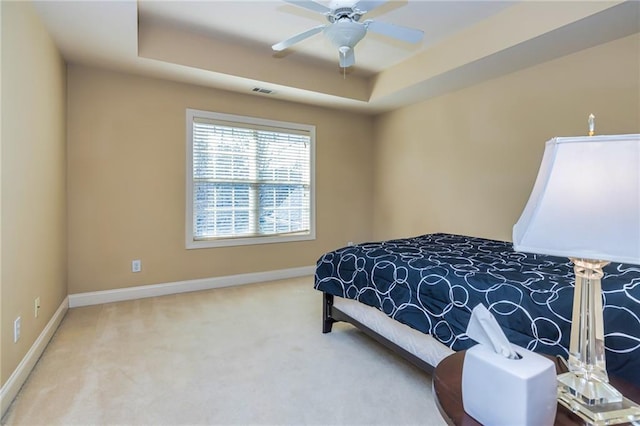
484	329
504	384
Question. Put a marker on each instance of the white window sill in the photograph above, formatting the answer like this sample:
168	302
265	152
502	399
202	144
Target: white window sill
230	242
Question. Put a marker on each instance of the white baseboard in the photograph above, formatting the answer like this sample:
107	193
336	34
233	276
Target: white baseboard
140	292
11	388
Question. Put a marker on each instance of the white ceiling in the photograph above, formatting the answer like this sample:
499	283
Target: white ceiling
265	23
227	44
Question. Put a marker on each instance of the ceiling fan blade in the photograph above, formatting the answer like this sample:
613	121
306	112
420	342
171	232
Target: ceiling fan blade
410	35
311	5
297	38
347	57
368	5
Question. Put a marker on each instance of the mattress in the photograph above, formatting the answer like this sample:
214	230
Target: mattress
424	346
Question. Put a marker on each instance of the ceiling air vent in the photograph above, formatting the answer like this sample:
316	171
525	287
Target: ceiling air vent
261	90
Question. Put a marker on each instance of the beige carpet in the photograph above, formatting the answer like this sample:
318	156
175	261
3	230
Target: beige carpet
252	354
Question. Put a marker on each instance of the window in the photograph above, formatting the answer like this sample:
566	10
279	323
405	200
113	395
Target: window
249	180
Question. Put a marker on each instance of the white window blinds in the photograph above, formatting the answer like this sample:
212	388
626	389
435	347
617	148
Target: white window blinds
249	178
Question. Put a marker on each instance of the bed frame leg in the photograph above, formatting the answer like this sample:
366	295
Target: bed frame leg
327	321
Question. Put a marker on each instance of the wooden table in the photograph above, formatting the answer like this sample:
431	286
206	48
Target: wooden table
447	390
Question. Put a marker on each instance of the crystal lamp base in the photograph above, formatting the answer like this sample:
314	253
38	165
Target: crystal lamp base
585	389
623	411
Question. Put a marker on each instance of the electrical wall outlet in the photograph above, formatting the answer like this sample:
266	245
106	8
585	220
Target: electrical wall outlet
36	307
16	329
136	265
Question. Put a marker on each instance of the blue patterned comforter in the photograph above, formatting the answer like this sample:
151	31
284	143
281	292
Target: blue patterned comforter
432	282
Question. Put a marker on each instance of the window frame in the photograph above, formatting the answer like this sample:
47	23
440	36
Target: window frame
238	121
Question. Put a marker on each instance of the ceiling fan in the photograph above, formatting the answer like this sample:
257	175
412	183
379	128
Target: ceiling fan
345	30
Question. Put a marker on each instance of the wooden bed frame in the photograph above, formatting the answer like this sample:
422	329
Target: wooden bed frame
331	314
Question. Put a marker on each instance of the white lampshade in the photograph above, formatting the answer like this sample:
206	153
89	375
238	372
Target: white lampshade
586	200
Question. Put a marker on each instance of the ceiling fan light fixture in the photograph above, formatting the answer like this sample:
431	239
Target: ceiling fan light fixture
345	33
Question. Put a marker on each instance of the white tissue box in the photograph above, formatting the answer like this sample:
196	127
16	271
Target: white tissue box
500	391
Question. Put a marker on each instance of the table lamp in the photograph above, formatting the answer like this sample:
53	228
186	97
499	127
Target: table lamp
585	205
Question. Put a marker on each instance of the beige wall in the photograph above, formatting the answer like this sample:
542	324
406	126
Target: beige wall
33	181
126	181
466	162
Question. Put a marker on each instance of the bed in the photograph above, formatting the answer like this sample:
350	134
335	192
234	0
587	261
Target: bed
415	295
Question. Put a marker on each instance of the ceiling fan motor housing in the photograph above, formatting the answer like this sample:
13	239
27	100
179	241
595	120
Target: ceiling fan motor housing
344	13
